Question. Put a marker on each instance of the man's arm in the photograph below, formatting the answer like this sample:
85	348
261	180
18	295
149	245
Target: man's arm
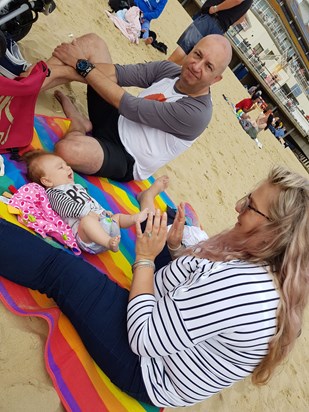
154	14
107	88
102	78
185	118
225	5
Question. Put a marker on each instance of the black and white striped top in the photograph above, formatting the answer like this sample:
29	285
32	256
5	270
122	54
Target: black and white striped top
207	326
72	202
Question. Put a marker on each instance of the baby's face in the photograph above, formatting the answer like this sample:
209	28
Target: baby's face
56	171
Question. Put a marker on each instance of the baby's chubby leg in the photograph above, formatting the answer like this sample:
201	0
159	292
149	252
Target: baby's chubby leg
125	221
90	230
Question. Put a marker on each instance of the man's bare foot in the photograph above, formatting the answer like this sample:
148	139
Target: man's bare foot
146	197
113	243
79	122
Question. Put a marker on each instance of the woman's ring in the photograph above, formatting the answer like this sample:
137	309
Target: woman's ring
149	234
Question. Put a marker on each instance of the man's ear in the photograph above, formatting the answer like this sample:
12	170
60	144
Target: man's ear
217	79
46	182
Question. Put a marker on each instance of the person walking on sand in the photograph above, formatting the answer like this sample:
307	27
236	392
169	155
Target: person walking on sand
215	17
134	136
95	229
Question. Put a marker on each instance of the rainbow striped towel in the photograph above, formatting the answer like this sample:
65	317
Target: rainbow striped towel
81	385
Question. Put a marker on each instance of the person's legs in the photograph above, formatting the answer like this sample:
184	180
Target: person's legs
202	26
147	196
79	123
96	306
124	221
117	163
83	153
103	154
94	49
145	28
177	56
90	230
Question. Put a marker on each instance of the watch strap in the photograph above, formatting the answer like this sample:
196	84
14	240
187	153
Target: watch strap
84	73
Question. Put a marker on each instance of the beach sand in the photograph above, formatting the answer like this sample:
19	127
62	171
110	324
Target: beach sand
219	169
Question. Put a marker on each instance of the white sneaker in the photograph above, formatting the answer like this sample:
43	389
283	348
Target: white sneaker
13	63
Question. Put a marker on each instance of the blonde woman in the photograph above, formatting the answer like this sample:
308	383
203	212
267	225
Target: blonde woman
229	307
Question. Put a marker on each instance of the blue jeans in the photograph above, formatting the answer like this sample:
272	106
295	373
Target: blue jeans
202	25
145	26
96	306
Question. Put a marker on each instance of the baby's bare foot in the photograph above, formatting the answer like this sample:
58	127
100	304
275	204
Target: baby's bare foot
142	216
113	244
158	186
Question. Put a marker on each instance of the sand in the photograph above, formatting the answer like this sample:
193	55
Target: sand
220	168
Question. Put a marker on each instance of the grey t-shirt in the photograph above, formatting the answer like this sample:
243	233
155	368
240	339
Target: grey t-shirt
185	118
161	123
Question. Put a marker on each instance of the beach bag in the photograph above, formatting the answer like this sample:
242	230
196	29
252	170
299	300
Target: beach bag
17	104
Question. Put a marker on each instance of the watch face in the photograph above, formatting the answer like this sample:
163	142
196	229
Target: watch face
82	65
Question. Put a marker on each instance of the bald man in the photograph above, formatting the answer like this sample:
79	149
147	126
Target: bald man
134	136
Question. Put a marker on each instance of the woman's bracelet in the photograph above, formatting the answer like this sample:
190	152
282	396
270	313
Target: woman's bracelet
143	262
176	248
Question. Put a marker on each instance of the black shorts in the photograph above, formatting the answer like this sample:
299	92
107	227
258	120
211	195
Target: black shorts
118	163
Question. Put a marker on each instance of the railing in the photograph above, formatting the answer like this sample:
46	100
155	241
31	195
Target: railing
261	72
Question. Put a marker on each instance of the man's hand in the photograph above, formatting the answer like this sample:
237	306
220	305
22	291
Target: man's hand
69	53
213	10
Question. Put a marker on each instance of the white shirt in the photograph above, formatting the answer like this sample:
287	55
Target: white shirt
207	326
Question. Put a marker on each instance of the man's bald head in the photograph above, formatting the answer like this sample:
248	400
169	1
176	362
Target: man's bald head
204	65
222	46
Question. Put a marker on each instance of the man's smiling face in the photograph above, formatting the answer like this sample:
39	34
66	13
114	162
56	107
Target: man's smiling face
204	65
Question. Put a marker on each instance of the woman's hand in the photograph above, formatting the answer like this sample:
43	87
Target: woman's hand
175	233
150	243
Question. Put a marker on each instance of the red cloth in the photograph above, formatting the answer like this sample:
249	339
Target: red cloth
17	104
244	104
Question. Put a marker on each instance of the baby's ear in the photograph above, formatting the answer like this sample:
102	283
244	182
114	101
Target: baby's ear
45	182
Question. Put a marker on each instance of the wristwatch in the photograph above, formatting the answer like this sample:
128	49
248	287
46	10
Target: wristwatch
84	67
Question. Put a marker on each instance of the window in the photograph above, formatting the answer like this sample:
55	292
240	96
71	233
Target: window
257	49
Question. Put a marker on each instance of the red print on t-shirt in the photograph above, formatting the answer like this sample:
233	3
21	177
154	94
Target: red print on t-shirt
156	96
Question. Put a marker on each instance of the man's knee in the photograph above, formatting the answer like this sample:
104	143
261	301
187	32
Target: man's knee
69	150
83	154
90	42
90	37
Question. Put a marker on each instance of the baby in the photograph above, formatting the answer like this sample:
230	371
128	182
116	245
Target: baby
96	229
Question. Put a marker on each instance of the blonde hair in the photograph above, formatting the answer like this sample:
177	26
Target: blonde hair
283	245
35	167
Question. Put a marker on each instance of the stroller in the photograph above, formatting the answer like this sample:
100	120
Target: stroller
17	17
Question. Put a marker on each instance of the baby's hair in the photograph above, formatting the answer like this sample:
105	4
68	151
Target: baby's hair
35	170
